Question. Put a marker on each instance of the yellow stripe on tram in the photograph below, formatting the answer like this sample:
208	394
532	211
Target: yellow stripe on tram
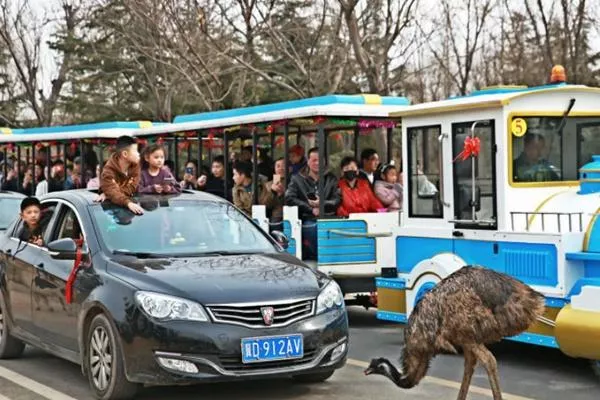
540	206
372	99
6	131
588	230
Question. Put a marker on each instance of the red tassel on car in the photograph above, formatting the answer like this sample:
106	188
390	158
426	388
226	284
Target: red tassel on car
73	274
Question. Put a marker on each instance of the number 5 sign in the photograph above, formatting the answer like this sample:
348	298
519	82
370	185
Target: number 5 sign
518	127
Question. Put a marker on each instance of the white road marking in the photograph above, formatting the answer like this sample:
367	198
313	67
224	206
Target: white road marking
52	394
34	386
449	384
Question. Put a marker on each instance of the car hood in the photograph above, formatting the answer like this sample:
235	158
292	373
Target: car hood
223	279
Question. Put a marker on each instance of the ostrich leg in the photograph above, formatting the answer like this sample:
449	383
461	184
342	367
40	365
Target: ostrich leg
470	362
489	362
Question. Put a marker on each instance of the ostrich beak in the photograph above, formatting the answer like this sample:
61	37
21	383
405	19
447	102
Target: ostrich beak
368	371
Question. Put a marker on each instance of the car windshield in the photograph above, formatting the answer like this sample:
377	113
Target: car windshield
179	228
9	210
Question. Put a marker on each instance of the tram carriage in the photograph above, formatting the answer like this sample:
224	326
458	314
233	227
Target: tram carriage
517	178
351	250
57	141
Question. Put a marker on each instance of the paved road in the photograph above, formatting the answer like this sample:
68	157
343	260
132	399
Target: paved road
526	373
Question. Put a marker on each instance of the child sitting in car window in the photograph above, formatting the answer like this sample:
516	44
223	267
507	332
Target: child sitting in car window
121	175
31	215
156	178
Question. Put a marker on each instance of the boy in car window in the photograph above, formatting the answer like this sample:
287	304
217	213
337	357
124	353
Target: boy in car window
121	175
31	216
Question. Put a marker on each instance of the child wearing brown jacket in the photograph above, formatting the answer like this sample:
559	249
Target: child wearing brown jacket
121	175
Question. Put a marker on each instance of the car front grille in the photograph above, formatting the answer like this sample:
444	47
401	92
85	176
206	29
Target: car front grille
235	364
251	315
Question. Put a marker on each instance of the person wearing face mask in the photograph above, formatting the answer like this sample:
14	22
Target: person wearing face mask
357	195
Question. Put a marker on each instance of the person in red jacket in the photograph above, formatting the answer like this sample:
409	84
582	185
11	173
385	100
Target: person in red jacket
357	195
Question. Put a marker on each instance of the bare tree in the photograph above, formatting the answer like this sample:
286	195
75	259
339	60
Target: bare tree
463	39
375	33
21	32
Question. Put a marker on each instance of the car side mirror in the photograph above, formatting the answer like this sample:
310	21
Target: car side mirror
281	239
65	249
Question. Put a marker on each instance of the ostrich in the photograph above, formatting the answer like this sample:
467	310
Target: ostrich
469	309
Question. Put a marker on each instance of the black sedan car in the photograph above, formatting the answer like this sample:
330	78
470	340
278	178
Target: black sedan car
190	291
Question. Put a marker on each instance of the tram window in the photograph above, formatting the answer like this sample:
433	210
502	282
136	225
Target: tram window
588	138
485	194
547	152
424	172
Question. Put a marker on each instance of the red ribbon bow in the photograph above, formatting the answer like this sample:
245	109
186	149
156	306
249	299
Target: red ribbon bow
73	274
471	148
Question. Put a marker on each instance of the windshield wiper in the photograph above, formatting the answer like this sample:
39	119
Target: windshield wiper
227	253
141	254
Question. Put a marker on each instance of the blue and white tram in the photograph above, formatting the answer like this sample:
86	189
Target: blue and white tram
517	177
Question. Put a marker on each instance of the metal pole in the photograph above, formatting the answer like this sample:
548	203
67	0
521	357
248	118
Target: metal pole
286	149
200	147
226	166
356	137
389	144
5	162
473	176
175	156
254	167
322	166
82	161
19	169
34	175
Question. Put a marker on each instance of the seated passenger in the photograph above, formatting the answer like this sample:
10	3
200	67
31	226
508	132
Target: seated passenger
357	195
273	195
242	191
302	192
155	177
32	225
530	166
370	162
121	175
215	182
296	159
388	190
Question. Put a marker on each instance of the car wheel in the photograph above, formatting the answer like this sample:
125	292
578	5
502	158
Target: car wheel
596	367
317	377
104	359
10	347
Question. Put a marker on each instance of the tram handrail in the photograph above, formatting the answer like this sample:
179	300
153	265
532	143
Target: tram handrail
543	214
365	235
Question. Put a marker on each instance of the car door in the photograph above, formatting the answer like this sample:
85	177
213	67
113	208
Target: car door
19	262
56	321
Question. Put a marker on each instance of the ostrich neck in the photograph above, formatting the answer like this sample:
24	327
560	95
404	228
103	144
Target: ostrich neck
395	376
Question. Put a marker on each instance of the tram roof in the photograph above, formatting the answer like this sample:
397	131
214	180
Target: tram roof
365	106
491	97
106	130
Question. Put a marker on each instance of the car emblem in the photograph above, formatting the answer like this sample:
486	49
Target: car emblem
267	314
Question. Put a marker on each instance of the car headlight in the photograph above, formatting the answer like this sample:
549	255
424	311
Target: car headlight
331	296
165	307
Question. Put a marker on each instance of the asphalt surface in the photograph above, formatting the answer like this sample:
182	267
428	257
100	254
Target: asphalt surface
525	373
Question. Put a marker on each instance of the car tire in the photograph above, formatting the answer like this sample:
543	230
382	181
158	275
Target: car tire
104	362
596	367
317	377
10	347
